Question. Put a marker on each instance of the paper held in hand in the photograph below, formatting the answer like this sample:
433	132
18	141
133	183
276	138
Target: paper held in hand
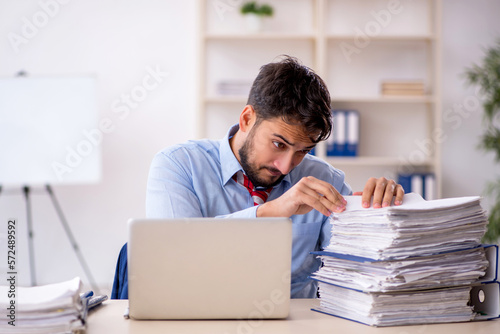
417	227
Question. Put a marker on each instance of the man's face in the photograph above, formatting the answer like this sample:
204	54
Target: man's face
272	149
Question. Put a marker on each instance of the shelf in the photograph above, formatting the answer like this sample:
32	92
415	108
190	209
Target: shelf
337	99
372	161
260	36
409	48
389	38
226	99
385	99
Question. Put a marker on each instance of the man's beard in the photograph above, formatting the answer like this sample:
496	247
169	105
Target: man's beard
251	170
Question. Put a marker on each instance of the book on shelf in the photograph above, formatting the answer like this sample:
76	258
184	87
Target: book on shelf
421	262
402	88
344	140
402	92
233	87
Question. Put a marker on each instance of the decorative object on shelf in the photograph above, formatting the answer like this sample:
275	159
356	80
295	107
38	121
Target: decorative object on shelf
487	77
254	13
402	88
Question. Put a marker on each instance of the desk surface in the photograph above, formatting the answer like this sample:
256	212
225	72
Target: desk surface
108	318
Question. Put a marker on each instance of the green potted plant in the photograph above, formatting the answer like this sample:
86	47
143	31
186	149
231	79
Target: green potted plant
487	77
254	13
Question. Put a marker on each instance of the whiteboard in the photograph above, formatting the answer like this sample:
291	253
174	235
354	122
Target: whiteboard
49	131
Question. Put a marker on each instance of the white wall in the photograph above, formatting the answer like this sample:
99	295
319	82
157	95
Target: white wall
117	41
468	28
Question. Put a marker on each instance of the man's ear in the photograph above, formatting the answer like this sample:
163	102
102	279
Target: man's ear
247	118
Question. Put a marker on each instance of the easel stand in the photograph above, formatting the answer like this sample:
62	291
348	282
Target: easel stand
67	229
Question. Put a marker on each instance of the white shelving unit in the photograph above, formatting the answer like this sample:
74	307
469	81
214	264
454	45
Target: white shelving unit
353	45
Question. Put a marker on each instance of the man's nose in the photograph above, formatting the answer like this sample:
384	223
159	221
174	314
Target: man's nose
285	163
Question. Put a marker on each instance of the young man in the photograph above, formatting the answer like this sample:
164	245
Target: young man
288	112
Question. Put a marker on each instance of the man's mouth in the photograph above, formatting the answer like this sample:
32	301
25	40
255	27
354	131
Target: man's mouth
273	171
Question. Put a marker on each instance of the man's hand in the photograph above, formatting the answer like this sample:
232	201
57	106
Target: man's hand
382	191
307	194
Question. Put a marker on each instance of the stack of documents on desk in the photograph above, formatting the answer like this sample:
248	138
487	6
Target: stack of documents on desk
54	308
418	227
424	272
412	264
397	308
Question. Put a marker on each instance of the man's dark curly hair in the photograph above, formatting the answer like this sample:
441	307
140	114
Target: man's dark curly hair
295	93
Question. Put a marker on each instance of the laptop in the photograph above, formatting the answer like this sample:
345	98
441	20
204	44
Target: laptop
209	268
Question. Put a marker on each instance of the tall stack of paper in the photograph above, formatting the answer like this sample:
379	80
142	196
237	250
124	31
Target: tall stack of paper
403	308
408	264
423	272
418	227
54	308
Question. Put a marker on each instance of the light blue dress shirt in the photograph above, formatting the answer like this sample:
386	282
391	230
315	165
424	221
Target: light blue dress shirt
194	179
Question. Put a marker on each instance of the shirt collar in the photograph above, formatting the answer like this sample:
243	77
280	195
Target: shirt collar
229	164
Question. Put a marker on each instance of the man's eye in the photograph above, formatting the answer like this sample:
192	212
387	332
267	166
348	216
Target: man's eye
278	144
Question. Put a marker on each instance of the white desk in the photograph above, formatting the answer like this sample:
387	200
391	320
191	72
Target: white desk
108	318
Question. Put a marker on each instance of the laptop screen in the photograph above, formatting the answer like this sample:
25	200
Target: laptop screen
209	268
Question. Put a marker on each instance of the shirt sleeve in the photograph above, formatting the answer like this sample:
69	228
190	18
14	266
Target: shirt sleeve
169	190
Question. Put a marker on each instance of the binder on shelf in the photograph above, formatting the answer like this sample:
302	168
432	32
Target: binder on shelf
345	137
330	142
417	184
429	190
352	133
339	132
423	184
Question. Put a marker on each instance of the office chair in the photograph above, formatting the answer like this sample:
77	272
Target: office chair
120	283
